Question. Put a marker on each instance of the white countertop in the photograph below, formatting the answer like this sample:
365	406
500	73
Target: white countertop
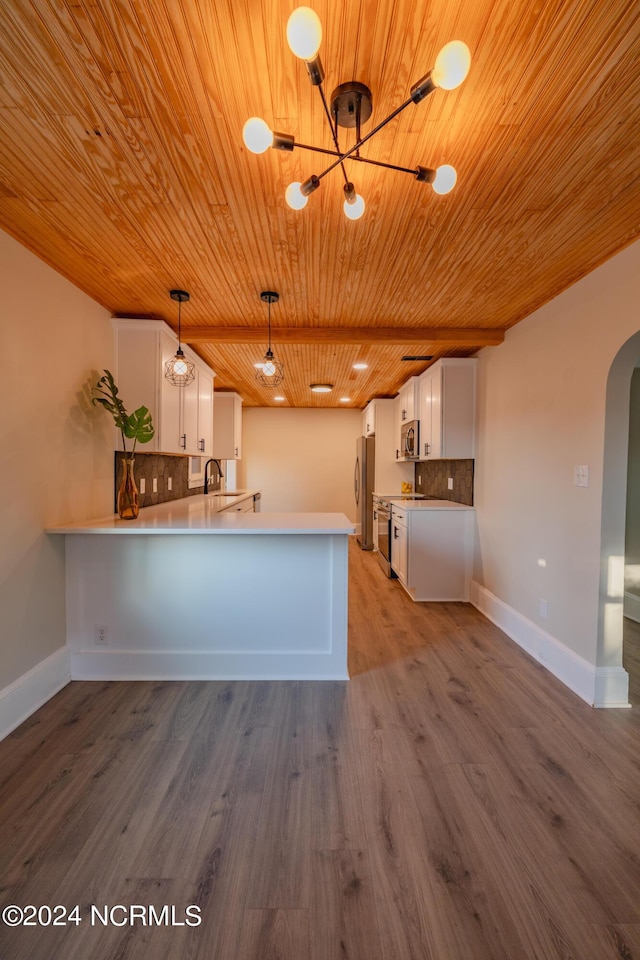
201	515
429	505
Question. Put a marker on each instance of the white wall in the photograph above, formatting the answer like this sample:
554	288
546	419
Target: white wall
57	449
542	406
301	460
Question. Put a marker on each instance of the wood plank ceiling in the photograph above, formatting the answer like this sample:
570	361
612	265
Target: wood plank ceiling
122	165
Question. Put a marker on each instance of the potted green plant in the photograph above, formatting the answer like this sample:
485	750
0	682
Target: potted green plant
136	426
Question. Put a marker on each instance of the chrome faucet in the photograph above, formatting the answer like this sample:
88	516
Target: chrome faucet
206	473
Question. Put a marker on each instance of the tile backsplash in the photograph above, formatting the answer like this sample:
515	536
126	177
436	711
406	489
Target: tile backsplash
160	466
432	476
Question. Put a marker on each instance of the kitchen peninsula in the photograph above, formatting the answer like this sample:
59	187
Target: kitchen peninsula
189	592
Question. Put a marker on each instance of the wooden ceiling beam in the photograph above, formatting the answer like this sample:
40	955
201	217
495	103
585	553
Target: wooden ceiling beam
442	336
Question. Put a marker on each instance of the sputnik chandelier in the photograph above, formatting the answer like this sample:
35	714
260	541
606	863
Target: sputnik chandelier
350	106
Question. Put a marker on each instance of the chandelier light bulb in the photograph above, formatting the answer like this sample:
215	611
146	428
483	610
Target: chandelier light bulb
293	196
354	210
179	367
257	135
304	33
445	179
268	368
452	65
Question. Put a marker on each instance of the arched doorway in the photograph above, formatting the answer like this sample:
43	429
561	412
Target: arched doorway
612	682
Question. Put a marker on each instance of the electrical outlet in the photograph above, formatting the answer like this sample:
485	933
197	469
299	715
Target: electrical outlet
155	484
419	480
169	483
450	483
544	608
101	635
143	485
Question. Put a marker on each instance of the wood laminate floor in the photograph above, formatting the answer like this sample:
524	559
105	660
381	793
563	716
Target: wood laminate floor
453	801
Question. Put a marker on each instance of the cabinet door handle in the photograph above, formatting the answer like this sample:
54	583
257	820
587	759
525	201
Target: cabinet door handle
404	414
236	451
201	445
183	441
397	454
426	449
395	533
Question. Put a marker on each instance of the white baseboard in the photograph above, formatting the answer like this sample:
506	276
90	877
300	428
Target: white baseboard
632	606
30	691
599	686
198	665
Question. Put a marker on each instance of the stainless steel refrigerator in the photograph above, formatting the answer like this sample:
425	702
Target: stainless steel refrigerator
363	480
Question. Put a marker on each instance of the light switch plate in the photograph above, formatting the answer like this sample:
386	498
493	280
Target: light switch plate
450	483
143	485
581	476
155	484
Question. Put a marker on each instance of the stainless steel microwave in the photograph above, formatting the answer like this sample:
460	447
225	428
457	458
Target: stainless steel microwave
409	439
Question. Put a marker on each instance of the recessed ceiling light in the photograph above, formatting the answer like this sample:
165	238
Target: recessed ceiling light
278	398
345	399
258	366
321	387
360	366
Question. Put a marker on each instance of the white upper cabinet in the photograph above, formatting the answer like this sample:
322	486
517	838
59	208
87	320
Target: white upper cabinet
182	416
205	413
446	404
369	419
227	427
408	400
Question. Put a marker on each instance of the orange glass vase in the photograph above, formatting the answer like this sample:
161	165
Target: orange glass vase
128	506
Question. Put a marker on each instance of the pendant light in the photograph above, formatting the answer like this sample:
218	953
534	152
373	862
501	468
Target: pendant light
179	370
271	371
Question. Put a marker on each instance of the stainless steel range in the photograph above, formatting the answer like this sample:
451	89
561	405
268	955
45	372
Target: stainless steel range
382	515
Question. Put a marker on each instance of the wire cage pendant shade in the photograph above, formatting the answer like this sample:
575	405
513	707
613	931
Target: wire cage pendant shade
271	371
179	370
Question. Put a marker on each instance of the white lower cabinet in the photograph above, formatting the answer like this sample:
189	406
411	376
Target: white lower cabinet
244	506
432	551
399	544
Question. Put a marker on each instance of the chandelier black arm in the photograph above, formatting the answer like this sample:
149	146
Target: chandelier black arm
357	145
334	130
376	163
